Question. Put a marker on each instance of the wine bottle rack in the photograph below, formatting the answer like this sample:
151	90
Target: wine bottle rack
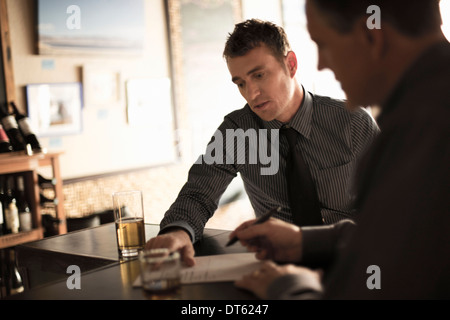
28	165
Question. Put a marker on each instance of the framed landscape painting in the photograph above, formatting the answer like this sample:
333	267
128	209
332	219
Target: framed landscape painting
90	27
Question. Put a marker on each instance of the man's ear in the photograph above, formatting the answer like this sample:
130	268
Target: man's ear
291	62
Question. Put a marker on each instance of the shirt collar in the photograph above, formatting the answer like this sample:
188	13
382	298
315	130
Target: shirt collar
302	119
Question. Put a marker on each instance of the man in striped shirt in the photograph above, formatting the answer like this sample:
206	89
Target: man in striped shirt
331	139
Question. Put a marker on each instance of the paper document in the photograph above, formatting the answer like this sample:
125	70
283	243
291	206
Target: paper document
217	268
222	267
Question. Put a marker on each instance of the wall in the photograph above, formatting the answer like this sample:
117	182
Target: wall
105	129
107	142
105	126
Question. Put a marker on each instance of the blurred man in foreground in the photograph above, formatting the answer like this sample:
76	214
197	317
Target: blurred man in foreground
400	246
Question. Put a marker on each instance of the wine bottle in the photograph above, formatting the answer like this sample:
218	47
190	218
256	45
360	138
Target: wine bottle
5	145
11	211
15	277
25	129
2	206
2	220
3	278
12	129
22	206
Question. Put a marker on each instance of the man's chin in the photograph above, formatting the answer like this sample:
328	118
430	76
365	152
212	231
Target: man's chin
264	116
267	119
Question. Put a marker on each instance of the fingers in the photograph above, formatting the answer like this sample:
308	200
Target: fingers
262	254
243	234
254	231
163	241
242	226
260	247
249	235
187	254
252	283
258	281
175	241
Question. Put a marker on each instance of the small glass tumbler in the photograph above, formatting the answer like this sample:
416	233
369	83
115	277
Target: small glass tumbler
160	273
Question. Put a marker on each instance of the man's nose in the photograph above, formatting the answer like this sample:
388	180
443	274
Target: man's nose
253	91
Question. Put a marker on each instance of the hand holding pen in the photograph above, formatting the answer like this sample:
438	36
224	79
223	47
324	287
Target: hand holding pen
275	239
260	220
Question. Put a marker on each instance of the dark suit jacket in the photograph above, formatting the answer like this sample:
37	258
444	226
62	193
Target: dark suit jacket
404	194
403	225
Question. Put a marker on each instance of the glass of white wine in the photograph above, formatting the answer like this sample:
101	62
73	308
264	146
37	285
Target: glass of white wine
129	219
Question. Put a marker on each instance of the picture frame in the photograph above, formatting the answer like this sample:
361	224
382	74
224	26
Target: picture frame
101	86
68	27
55	109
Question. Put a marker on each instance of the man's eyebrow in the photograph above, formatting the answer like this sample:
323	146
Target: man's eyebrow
257	68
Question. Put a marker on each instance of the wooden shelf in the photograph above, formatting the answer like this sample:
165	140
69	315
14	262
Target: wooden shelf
18	161
14	239
28	165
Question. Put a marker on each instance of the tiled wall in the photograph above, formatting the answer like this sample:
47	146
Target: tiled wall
160	188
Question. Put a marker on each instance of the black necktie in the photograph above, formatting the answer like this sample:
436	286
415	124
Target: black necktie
302	192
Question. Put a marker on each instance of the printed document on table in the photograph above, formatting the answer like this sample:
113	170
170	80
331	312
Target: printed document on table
222	267
217	268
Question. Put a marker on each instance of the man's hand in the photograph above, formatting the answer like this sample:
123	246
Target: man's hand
259	281
273	239
177	240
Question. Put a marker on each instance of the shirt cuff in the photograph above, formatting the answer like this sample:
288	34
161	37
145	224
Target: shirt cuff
177	225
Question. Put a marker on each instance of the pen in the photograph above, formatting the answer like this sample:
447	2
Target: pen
262	219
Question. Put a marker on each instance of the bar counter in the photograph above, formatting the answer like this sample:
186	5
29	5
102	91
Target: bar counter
103	275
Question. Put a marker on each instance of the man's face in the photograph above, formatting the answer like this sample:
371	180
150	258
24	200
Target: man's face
345	55
265	83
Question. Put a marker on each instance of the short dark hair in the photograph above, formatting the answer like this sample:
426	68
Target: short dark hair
253	33
411	18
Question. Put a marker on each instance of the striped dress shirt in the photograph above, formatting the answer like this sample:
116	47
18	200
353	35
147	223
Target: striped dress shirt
331	138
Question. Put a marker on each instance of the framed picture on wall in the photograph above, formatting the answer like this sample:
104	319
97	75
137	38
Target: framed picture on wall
101	86
54	109
90	27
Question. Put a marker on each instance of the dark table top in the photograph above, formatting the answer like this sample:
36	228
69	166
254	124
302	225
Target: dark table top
103	275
